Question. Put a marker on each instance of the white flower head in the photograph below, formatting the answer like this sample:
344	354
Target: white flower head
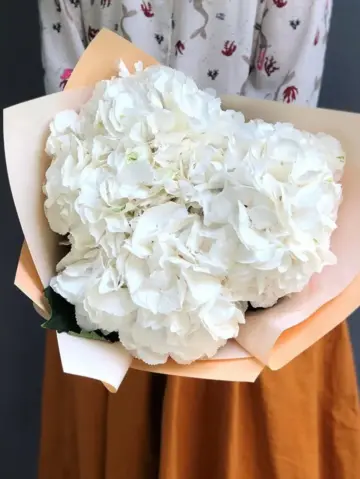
179	214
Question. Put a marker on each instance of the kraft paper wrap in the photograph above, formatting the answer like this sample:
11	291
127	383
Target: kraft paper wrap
269	338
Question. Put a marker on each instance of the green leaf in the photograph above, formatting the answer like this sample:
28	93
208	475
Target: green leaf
88	335
63	319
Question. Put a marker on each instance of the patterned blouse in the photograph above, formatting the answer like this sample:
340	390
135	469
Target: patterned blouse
272	49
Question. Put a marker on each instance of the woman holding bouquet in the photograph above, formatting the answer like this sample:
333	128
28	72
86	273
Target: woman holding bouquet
301	422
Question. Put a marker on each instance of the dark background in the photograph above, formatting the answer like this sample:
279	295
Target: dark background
21	341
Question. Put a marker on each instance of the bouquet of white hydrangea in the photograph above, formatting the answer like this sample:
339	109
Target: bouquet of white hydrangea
179	214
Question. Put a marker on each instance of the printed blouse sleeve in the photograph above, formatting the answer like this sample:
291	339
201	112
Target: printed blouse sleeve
288	59
62	40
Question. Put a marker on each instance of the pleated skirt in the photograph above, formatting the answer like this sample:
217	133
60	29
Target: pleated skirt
302	422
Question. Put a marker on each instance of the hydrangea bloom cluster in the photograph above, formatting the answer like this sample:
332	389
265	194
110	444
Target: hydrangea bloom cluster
180	214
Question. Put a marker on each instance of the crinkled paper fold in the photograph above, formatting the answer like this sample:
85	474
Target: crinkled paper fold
271	337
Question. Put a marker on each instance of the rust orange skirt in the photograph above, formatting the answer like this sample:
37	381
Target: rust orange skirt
301	422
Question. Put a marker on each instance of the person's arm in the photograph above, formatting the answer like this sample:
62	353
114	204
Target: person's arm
62	38
288	60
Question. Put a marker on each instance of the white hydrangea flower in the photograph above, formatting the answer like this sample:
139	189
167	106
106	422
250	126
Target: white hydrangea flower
179	214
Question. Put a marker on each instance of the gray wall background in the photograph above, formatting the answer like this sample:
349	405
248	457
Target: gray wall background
340	90
21	361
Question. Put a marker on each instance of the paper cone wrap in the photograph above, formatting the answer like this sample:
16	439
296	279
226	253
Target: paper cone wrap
272	337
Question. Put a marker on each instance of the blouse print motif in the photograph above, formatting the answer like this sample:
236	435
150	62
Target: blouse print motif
271	49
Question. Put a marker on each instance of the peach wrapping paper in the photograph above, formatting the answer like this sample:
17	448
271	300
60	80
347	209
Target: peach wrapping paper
272	337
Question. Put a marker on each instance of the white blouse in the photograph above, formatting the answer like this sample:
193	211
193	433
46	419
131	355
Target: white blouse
272	49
